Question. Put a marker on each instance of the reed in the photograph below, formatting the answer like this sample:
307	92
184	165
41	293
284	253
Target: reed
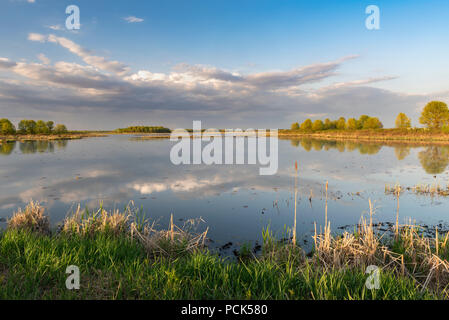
32	218
296	198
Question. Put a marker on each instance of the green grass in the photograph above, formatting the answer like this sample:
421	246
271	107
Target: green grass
32	266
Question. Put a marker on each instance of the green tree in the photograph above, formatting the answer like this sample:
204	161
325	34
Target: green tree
295	126
435	115
317	125
327	124
27	127
372	123
402	121
351	124
341	123
60	128
41	127
50	125
306	125
361	121
6	127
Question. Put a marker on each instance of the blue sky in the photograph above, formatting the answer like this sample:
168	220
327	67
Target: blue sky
229	63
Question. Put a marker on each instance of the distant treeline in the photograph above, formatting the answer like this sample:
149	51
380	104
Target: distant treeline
144	129
364	122
435	116
31	127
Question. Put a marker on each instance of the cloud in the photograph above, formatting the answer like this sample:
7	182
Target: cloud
36	37
133	19
189	92
5	63
96	61
44	59
56	27
358	82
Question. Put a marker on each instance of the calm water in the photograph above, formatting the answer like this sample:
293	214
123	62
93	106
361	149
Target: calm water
235	201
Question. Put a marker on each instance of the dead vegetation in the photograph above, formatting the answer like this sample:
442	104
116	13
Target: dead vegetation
171	242
32	218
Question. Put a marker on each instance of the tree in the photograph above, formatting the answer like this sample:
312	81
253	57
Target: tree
50	125
6	127
341	124
402	121
306	125
435	115
327	124
351	124
41	127
60	128
27	127
361	121
372	123
317	125
295	126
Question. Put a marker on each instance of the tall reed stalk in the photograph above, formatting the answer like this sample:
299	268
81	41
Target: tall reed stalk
325	208
296	197
398	193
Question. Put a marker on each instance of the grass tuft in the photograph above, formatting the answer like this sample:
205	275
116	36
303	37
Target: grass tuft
32	218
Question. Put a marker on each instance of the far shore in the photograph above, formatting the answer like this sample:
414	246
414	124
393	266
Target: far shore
378	135
415	136
47	137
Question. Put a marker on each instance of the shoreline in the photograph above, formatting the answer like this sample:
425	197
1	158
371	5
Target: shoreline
50	137
381	135
128	259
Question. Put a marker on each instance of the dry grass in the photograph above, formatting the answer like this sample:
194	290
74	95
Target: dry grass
172	242
102	221
32	218
409	254
414	135
431	190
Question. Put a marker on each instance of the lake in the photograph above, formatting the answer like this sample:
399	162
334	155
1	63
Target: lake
235	202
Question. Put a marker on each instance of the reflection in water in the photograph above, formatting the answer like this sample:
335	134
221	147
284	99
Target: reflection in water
114	170
342	146
434	159
369	148
7	148
29	147
401	152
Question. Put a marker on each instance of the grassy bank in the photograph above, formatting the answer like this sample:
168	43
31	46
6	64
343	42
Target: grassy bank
73	135
400	135
121	256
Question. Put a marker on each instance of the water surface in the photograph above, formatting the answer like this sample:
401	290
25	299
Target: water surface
234	200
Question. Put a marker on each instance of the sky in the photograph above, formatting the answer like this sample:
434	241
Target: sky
230	64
